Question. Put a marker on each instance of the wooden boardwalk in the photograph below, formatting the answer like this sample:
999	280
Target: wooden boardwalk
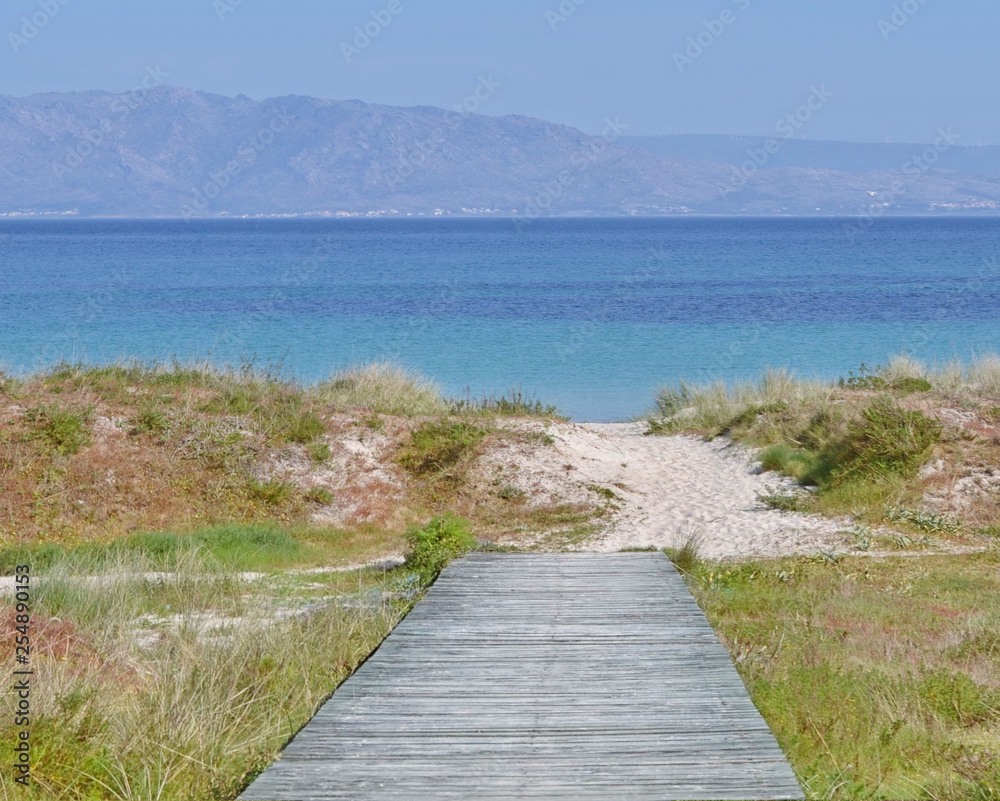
563	676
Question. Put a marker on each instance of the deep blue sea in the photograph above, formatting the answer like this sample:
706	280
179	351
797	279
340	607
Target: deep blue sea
591	315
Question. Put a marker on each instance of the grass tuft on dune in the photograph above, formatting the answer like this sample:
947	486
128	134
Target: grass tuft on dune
879	438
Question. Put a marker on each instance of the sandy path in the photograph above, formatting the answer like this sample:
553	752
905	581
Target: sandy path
672	488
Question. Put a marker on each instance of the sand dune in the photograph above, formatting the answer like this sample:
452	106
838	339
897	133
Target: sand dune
673	488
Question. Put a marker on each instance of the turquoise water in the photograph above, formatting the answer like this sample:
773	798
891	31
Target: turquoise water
591	315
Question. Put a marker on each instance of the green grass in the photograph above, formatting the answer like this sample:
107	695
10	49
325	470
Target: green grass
439	448
149	421
886	441
271	493
435	544
881	679
782	502
64	431
687	557
135	699
513	404
235	547
862	450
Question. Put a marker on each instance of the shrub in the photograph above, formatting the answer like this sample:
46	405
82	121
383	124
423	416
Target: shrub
273	493
149	421
436	448
64	431
911	384
886	441
319	495
434	545
867	378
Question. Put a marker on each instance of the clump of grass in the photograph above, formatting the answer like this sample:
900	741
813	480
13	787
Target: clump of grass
910	385
984	375
686	558
510	493
867	378
320	452
302	428
434	545
606	493
385	388
513	404
63	431
857	444
281	409
886	441
319	495
903	376
798	463
149	421
374	423
783	502
438	448
719	407
272	492
924	521
865	467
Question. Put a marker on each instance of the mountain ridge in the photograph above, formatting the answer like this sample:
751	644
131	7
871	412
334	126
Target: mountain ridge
173	152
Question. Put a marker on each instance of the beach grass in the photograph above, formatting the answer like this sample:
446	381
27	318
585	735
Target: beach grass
184	686
384	388
864	442
879	677
162	670
102	452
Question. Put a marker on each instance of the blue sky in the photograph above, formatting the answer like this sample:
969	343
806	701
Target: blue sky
608	58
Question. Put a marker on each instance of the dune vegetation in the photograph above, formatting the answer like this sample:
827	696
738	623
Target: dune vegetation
903	445
198	541
879	674
213	551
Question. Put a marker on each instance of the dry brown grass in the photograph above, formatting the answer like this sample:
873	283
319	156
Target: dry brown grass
100	453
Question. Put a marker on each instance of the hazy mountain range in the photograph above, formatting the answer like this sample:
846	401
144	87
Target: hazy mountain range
173	153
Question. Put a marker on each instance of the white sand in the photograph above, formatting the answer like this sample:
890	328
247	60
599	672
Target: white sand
673	488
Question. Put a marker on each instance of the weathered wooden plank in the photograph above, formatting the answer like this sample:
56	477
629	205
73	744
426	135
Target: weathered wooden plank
541	676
